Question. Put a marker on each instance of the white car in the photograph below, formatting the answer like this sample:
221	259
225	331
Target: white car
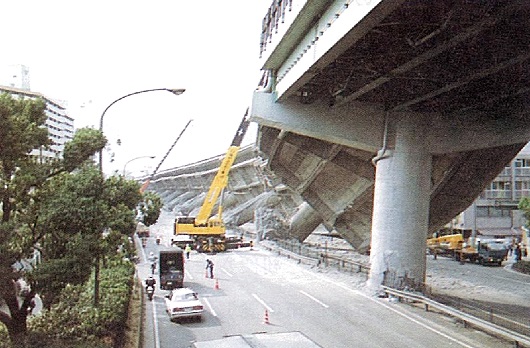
183	303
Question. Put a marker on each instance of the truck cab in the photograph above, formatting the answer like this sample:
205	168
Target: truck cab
491	252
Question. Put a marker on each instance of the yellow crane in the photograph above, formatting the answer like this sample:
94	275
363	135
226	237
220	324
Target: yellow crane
208	232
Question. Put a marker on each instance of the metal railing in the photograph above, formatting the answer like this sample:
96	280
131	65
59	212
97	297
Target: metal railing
493	314
517	338
323	256
485	318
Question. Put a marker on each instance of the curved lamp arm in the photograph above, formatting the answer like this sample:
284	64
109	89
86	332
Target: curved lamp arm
175	91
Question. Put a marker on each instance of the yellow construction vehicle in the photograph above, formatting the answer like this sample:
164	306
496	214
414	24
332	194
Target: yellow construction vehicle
208	232
457	246
445	245
453	243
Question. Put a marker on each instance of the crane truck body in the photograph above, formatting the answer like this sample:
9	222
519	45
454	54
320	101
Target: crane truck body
208	232
455	245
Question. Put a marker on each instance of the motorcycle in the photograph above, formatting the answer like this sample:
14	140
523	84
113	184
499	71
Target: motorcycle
150	292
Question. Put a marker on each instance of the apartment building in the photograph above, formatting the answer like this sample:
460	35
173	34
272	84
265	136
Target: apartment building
15	75
60	125
494	213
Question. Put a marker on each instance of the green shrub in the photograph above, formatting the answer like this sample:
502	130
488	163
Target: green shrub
75	321
4	337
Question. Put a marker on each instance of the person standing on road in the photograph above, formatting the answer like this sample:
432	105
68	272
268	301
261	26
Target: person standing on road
187	250
209	267
517	253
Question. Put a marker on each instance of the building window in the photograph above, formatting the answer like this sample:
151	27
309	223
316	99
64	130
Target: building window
522	163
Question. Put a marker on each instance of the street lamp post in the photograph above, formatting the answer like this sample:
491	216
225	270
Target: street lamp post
134	159
175	91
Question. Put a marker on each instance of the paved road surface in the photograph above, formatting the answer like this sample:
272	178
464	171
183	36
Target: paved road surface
331	312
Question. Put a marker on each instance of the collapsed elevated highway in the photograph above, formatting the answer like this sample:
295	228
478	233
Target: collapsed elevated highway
253	193
381	120
390	117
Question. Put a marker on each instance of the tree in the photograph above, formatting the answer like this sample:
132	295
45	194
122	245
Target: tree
75	211
150	208
524	205
22	129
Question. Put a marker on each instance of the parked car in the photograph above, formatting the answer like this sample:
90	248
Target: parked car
183	303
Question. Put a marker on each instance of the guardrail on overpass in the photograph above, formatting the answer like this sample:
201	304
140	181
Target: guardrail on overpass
517	338
509	330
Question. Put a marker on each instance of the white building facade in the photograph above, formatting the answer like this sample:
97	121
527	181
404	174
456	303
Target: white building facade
16	76
60	125
494	213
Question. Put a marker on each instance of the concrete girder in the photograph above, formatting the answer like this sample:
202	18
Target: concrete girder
171	198
180	202
350	174
244	212
250	185
462	178
332	179
362	126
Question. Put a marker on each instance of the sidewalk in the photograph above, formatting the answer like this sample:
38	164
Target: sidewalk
143	271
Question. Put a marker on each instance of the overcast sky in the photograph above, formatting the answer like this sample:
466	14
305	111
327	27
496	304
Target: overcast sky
90	53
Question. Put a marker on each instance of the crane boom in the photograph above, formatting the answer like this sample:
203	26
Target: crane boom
148	181
221	178
203	228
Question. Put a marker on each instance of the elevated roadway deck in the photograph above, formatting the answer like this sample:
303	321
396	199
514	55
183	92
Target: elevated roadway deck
390	117
381	120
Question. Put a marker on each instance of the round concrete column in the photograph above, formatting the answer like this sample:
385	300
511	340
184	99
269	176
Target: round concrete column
401	210
304	222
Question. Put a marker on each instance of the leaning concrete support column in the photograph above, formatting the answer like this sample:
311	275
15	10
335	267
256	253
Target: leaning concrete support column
401	210
304	222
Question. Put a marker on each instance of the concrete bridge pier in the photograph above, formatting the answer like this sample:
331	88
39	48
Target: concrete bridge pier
401	208
304	222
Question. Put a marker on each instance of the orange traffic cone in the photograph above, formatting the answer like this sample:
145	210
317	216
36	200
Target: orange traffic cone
266	321
216	284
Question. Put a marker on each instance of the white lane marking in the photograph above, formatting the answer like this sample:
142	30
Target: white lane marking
314	299
402	314
155	324
209	306
345	287
418	322
188	275
227	273
263	303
